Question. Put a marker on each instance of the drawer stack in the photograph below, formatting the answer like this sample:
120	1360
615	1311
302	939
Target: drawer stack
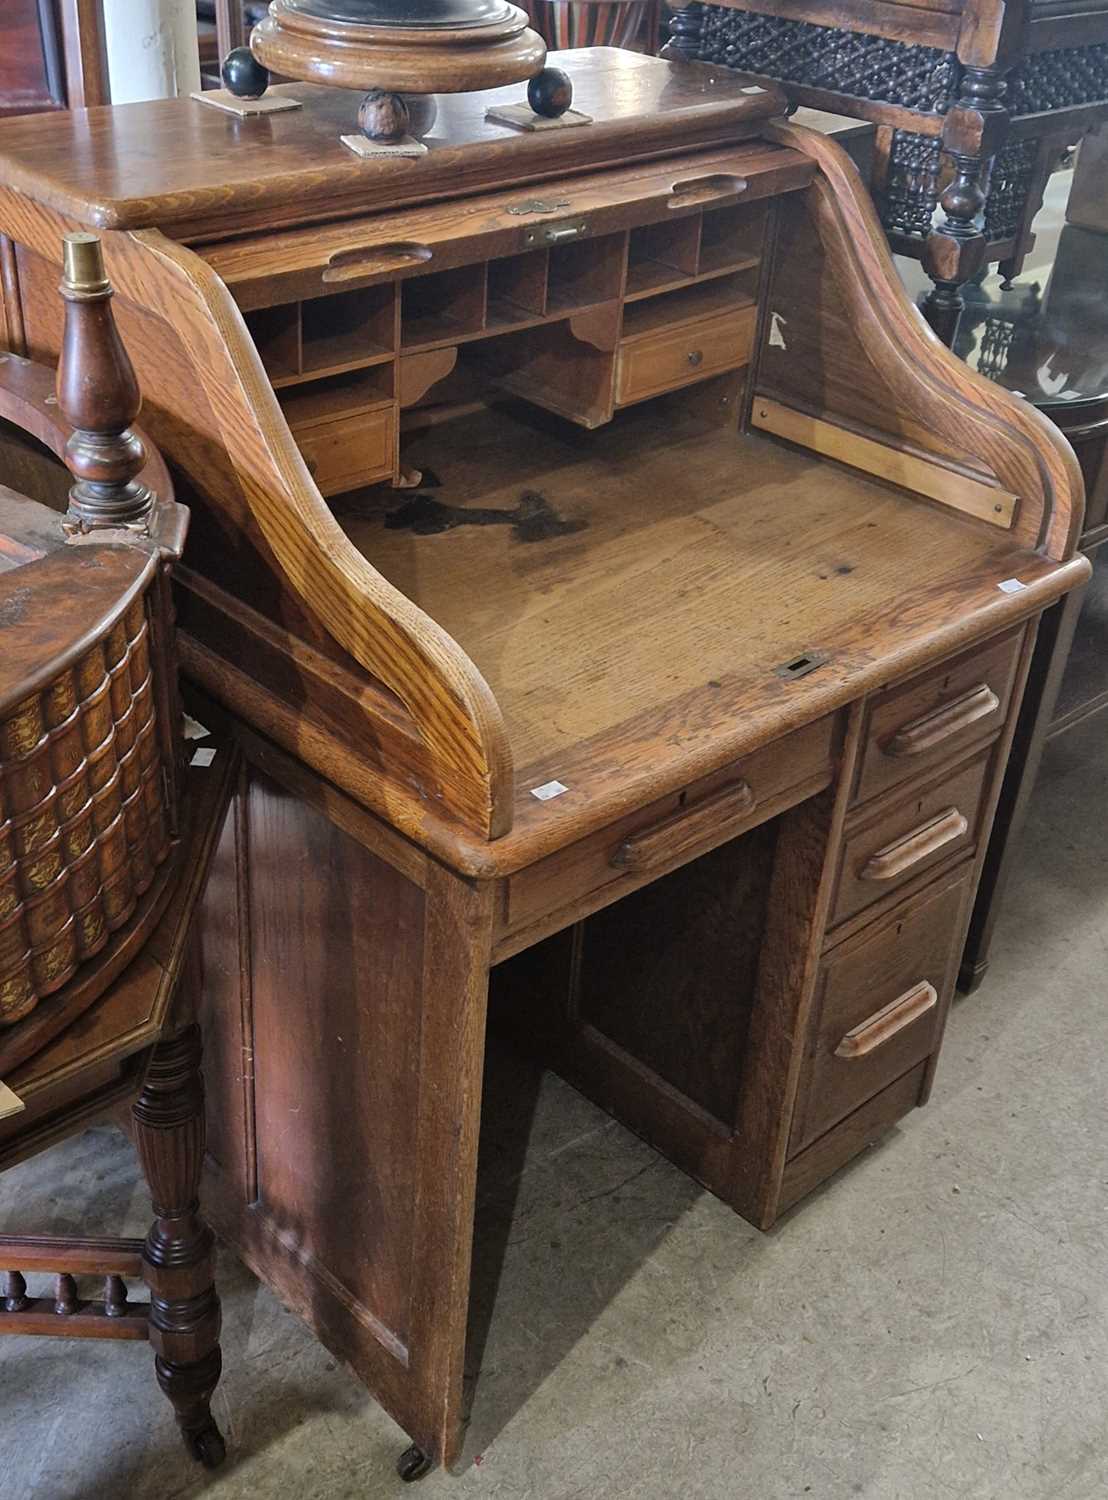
922	794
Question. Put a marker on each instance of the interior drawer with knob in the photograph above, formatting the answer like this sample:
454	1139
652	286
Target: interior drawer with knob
677	828
880	1005
925	828
937	715
350	450
666	357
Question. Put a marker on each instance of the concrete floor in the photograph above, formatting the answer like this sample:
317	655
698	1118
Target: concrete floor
934	1322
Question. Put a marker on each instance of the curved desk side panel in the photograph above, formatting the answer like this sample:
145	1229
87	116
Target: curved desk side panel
247	473
874	363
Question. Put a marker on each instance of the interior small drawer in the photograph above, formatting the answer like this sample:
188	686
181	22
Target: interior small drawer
927	827
936	715
672	357
670	832
879	1008
349	451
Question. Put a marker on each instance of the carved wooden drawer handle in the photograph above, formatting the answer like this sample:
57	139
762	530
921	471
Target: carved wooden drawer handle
885	1024
685	830
947	720
894	859
375	260
704	189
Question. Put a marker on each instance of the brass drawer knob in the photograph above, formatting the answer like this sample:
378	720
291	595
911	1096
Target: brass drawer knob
696	357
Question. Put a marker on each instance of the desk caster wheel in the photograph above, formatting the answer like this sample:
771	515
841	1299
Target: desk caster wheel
413	1464
243	75
550	93
207	1446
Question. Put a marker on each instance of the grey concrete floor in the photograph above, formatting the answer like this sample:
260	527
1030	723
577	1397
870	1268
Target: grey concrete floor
932	1323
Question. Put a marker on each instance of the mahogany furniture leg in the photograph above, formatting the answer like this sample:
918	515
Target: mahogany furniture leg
178	1255
956	250
685	24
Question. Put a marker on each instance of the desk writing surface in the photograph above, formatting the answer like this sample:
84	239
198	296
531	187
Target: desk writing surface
698	562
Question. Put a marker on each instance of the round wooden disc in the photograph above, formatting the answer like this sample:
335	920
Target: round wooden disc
493	46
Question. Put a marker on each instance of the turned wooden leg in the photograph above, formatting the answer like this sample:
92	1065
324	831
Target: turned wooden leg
178	1257
685	26
956	249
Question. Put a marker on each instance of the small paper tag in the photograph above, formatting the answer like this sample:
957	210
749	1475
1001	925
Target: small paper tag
194	730
10	1103
1011	586
204	756
548	790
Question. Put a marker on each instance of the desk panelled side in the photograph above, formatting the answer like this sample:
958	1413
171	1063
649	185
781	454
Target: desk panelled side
705	539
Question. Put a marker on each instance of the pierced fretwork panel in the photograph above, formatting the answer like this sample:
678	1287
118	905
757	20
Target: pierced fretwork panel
826	57
907	202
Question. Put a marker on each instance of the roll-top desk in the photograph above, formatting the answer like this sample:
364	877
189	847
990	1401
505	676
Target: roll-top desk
656	649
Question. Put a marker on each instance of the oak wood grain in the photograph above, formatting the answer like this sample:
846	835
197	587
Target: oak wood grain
139	165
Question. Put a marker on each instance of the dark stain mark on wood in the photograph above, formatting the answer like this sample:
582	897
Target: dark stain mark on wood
533	520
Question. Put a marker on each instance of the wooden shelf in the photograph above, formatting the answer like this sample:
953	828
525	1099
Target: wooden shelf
360	361
505	317
649	278
338	396
728	234
703	299
550	318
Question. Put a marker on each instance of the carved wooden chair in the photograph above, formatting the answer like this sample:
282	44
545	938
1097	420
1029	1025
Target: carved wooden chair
105	840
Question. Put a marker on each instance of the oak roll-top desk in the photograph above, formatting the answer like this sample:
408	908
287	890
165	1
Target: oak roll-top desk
673	690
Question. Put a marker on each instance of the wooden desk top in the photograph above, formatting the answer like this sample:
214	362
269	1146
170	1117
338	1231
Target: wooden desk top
639	649
195	171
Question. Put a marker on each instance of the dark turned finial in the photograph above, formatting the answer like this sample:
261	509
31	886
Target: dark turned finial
98	396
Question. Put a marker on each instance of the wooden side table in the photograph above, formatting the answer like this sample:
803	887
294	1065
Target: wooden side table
1055	353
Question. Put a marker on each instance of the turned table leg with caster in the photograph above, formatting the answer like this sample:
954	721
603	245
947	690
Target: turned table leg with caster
413	1464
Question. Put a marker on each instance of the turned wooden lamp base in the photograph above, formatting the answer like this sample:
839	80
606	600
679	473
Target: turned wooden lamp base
401	53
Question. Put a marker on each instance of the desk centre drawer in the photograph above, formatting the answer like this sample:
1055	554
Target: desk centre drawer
938	714
656	839
926	827
879	1008
665	360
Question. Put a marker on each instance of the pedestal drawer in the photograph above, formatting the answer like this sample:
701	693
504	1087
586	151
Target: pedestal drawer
879	1008
905	837
937	715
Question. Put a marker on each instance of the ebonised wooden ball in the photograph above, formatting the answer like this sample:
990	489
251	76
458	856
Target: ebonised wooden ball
550	93
243	75
384	116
